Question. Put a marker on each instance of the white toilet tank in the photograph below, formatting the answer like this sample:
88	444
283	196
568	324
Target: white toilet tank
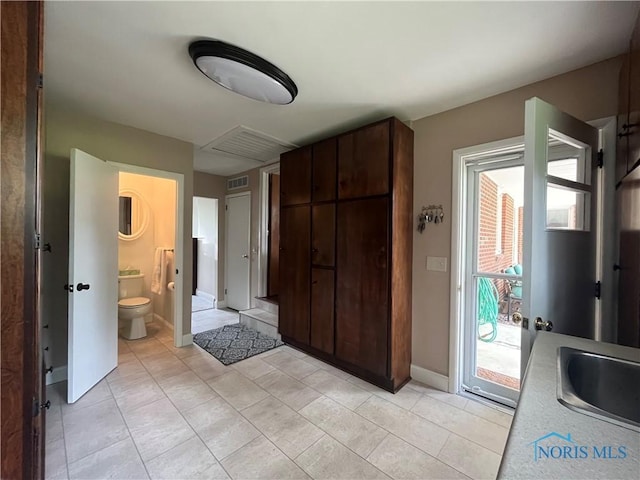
130	286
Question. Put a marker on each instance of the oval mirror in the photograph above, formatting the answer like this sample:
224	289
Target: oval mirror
133	214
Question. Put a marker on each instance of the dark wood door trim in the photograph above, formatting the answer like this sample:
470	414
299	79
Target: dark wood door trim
21	441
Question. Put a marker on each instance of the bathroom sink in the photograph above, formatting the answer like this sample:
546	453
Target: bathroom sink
604	387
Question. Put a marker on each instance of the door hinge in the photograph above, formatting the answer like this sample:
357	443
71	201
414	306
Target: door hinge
225	291
598	289
226	207
36	241
600	159
36	407
40	80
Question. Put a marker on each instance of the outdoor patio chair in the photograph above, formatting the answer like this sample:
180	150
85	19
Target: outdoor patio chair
488	300
514	287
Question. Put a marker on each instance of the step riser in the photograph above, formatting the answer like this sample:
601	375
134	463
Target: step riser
267	306
260	326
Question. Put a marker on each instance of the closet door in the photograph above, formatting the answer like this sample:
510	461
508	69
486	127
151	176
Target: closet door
323	236
362	288
324	170
295	237
322	296
295	177
363	162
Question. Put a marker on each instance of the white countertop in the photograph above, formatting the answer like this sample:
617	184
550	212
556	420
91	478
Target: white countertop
539	414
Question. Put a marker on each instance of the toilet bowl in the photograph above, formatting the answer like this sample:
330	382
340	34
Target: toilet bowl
131	313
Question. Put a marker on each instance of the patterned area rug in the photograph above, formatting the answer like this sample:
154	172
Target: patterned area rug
233	343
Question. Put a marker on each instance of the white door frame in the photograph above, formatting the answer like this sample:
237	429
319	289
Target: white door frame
263	235
605	251
226	246
180	338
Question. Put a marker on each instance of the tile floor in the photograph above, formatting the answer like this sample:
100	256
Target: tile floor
213	318
179	413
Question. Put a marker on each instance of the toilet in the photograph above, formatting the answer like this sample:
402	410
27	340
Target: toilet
132	306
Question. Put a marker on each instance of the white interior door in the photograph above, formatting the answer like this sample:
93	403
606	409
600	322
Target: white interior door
559	224
93	273
238	259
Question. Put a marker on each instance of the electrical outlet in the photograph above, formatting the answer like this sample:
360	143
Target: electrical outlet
437	264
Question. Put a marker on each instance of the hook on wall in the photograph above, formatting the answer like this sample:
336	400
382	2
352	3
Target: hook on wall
431	213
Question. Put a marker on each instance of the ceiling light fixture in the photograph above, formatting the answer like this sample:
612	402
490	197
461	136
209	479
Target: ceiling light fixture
242	72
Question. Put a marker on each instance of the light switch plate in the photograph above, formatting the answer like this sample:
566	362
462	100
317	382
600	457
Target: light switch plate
437	264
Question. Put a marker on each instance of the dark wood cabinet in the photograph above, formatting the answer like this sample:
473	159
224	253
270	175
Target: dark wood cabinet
323	236
324	170
363	162
295	235
362	299
348	300
295	177
322	311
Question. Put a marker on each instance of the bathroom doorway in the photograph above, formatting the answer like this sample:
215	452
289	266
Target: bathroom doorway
205	254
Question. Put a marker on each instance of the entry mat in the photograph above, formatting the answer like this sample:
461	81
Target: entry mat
233	343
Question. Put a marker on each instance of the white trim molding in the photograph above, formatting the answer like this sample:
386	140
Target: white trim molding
187	340
58	374
428	377
221	304
203	294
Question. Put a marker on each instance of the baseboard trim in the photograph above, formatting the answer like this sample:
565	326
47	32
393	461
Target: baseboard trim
208	296
161	319
221	304
58	374
433	379
187	340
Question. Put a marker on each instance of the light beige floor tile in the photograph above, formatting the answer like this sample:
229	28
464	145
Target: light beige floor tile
164	365
127	356
157	427
421	387
364	385
55	460
253	367
260	459
123	345
489	413
133	395
328	459
405	398
287	429
146	347
287	389
190	459
291	365
237	389
92	428
118	461
400	460
121	384
449	398
339	390
221	427
465	424
413	429
57	393
205	366
181	352
97	394
293	351
125	370
470	458
349	428
187	390
53	429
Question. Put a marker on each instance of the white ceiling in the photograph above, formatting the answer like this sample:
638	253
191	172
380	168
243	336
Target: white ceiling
127	62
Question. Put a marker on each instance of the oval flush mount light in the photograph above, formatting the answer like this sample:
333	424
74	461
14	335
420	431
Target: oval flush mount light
242	72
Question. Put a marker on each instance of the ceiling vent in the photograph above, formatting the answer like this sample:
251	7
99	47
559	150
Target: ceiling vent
238	182
246	143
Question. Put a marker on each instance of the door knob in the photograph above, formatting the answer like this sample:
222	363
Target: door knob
517	318
82	286
542	325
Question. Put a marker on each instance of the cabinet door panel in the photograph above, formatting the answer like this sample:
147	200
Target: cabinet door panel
324	170
323	235
295	226
322	297
363	162
362	295
295	177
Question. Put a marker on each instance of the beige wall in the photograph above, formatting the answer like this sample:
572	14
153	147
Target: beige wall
110	142
214	186
588	93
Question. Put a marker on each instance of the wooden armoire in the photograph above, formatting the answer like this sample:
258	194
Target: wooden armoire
345	251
